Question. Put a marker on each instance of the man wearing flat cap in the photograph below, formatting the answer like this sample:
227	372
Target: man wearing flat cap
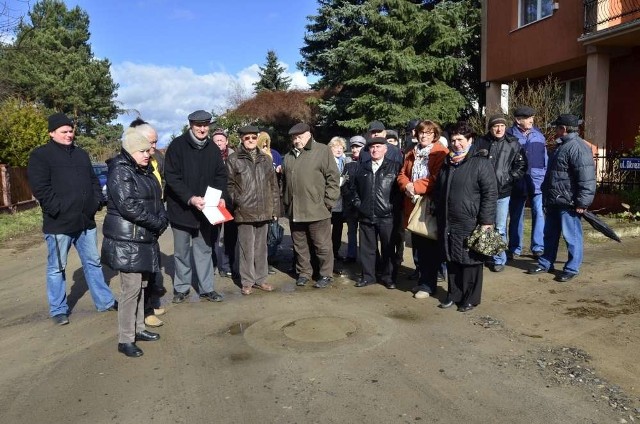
62	179
510	163
377	129
567	191
535	148
377	199
311	189
193	163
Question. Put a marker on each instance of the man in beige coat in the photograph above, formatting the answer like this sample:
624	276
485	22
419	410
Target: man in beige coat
311	189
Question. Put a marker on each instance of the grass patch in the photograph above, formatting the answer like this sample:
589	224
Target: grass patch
20	223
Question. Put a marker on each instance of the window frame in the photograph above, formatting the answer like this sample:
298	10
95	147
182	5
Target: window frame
539	17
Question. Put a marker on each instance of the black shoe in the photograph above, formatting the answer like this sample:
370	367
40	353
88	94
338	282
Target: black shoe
565	276
536	270
362	283
130	349
465	308
61	319
390	286
338	271
113	307
446	305
211	296
414	275
271	270
147	336
301	281
496	268
322	283
180	297
537	255
226	274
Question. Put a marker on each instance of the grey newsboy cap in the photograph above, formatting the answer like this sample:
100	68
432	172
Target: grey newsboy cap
357	140
299	128
200	116
377	140
524	112
566	120
248	129
376	126
392	134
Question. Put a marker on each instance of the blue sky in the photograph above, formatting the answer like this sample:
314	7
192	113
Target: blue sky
172	57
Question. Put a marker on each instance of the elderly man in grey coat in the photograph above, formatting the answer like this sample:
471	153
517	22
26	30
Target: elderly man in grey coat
311	189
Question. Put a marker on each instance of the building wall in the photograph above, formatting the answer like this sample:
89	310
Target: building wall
546	46
624	106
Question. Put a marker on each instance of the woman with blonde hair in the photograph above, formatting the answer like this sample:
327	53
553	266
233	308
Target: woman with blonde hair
338	145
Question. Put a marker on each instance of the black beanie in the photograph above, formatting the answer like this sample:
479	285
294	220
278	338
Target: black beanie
58	120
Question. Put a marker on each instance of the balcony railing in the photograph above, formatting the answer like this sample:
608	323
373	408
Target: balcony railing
603	14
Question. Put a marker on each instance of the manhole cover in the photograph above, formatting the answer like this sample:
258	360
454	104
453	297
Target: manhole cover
321	329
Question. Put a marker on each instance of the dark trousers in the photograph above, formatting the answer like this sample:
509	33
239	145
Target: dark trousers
465	283
153	292
370	234
315	234
337	224
429	260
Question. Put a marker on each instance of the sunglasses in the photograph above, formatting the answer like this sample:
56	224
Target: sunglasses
250	137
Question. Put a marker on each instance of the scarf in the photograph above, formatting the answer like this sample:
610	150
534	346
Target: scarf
421	164
455	158
340	162
199	143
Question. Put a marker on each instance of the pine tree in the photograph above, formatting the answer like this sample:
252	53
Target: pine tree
51	62
392	60
272	76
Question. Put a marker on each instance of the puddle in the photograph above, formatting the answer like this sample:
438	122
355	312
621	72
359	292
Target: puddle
238	328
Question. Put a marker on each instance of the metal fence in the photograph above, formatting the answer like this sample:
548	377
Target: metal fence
602	14
611	179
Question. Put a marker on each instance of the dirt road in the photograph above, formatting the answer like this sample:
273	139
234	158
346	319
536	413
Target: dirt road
535	351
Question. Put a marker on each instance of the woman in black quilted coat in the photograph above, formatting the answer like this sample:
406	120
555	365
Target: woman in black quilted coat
465	196
135	220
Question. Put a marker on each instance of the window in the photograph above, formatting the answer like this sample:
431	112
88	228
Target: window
534	10
573	100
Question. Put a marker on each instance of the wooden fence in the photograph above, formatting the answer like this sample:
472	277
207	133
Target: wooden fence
15	193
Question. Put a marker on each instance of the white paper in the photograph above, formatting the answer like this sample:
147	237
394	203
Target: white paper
211	200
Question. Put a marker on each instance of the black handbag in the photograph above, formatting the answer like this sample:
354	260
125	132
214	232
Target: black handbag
274	234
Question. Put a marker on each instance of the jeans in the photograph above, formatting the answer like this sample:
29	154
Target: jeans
565	221
516	224
86	244
502	212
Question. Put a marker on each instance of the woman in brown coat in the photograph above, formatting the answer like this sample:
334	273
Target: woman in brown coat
417	178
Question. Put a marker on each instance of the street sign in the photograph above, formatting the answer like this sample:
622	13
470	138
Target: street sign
630	164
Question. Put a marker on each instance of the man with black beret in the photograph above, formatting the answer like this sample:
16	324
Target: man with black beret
62	179
376	197
568	189
193	163
510	163
535	148
311	189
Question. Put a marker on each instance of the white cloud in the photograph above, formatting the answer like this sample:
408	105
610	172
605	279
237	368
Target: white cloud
165	95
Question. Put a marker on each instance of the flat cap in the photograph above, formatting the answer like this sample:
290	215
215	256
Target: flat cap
299	128
220	131
58	120
524	112
248	129
357	140
200	116
566	120
377	140
392	134
376	126
498	118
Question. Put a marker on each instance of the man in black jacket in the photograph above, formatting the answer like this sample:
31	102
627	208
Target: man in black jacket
193	163
377	198
510	164
62	179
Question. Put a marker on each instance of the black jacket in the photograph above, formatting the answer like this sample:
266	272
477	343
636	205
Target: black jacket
349	173
465	196
570	180
188	170
508	159
135	217
253	187
376	196
62	179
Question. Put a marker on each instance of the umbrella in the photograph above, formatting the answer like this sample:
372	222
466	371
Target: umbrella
600	226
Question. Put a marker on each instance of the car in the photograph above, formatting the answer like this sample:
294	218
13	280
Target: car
102	170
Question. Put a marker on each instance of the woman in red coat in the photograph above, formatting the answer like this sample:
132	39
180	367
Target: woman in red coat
417	178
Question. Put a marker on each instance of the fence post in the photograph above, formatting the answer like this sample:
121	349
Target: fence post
5	185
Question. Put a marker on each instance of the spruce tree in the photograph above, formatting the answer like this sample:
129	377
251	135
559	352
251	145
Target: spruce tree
272	76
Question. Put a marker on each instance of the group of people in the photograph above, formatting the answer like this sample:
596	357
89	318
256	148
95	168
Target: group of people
472	182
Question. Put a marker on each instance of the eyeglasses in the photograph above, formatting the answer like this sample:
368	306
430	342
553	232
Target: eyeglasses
249	137
427	133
